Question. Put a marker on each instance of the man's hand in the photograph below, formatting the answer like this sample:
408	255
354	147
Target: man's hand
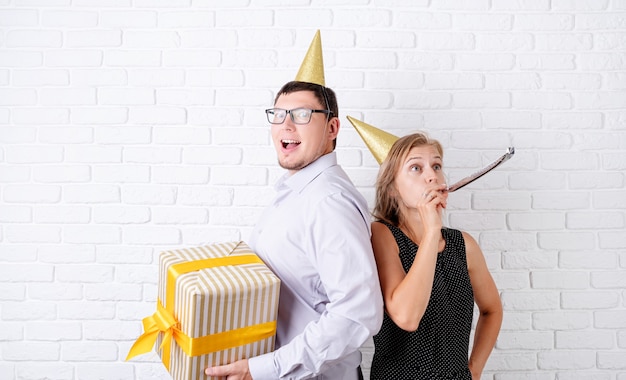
238	370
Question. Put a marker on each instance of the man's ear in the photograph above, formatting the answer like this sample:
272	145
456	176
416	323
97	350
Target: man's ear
333	128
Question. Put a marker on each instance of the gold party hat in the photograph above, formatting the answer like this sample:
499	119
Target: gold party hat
312	68
378	141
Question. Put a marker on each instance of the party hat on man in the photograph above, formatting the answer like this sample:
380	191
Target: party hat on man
312	68
378	141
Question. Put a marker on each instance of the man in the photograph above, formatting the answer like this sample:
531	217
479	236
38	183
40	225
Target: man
315	236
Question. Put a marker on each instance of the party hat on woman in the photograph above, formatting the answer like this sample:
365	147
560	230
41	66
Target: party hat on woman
378	141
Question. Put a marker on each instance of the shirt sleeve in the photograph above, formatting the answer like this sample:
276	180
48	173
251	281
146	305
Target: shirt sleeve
353	312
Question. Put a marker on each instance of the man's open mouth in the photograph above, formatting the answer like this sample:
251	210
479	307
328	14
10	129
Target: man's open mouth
287	144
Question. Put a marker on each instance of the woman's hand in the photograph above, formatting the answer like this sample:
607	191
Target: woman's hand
431	204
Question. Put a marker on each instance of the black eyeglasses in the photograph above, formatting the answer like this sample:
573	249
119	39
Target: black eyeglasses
298	115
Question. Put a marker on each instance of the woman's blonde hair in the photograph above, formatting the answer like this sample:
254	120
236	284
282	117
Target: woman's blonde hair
386	206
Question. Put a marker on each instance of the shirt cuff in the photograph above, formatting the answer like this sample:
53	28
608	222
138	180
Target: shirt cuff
262	367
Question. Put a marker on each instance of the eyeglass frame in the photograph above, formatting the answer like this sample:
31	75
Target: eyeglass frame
290	113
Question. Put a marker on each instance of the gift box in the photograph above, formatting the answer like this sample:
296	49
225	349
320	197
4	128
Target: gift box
216	304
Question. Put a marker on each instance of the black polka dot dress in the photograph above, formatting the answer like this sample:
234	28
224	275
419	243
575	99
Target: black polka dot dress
439	347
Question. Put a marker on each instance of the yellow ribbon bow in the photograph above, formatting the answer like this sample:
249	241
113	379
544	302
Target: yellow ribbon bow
161	321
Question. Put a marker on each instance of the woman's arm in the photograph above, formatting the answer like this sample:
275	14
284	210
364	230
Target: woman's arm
406	295
489	306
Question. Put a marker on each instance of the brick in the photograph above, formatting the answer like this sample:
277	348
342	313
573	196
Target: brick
610	319
100	116
181	135
537	259
29	154
559	201
124	255
12	292
21	253
186	19
506	42
20	135
11	331
566	359
55	331
112	292
91	193
151	235
595	220
561	320
27	311
189	97
40	77
588	259
14	174
40	115
138	274
121	214
74	58
93	154
15	214
511	280
207	235
423	20
572	120
180	175
25	351
179	215
33	371
55	291
86	310
612	240
61	214
526	300
62	173
423	61
91	234
589	300
149	194
612	360
100	77
32	234
230	176
506	362
559	280
525	340
566	240
89	351
122	173
608	279
191	58
126	96
96	371
91	38
217	77
152	155
66	135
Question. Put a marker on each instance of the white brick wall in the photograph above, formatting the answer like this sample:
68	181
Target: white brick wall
129	127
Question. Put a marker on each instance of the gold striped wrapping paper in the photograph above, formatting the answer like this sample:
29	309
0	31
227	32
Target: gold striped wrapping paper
218	300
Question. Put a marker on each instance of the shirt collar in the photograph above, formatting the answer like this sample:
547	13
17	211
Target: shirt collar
298	181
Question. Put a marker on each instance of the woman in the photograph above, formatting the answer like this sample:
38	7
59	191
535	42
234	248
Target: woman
430	276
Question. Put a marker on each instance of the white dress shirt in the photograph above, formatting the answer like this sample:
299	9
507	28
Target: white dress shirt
315	237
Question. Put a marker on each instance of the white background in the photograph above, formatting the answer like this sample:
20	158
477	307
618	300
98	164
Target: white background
132	126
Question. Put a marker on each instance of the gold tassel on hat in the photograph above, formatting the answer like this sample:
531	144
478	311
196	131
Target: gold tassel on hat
312	68
378	141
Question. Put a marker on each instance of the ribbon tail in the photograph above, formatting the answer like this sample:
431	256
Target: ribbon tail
143	344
